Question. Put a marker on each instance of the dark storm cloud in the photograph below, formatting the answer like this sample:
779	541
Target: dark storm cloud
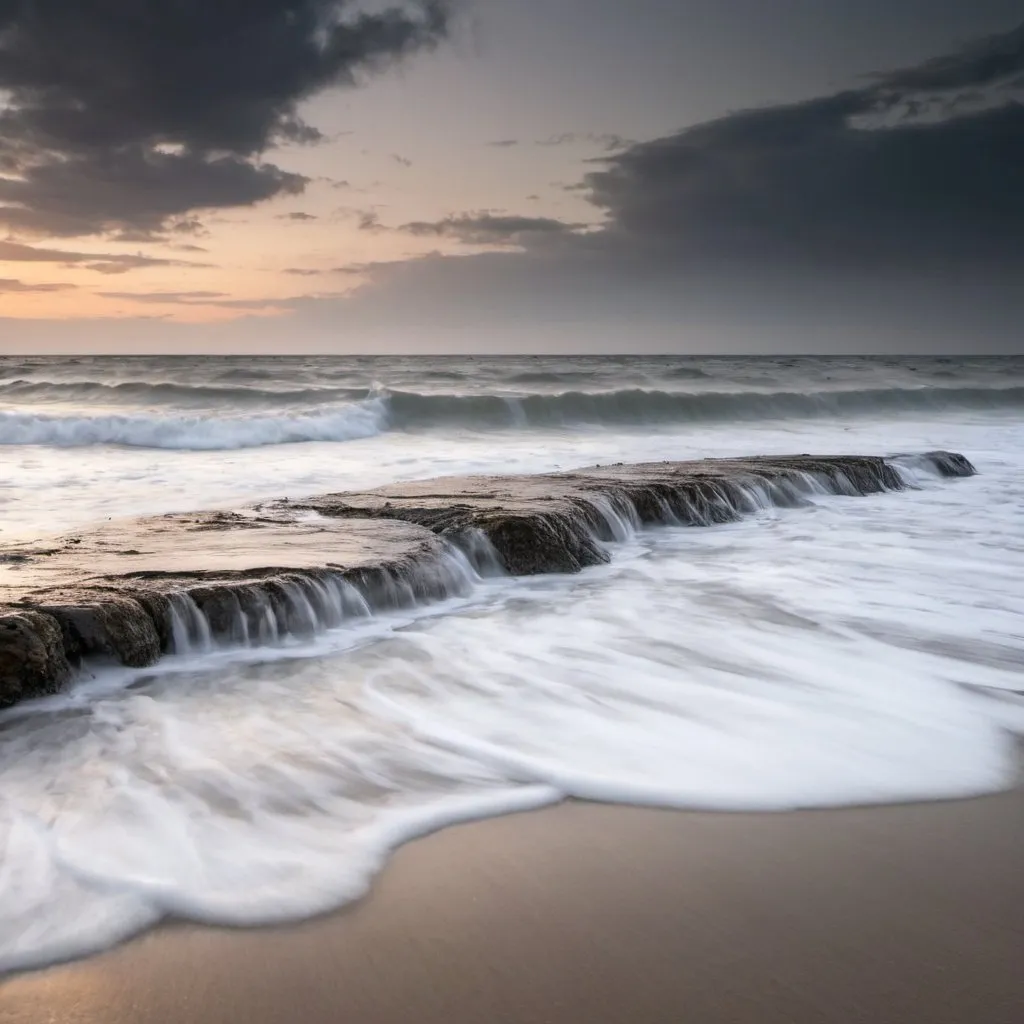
134	190
800	184
488	228
824	207
10	286
979	64
818	185
297	216
503	143
121	114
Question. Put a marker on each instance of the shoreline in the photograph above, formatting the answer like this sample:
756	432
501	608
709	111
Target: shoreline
598	913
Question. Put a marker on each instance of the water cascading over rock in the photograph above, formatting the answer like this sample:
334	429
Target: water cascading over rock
285	571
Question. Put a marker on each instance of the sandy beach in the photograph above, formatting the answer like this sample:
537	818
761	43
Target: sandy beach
605	914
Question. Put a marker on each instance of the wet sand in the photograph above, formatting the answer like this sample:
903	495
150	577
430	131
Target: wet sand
595	914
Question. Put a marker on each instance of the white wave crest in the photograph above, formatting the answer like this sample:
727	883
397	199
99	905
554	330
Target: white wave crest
197	433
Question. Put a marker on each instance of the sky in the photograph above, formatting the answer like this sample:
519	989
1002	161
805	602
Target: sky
490	175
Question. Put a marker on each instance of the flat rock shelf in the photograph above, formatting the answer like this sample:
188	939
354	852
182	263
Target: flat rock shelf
133	590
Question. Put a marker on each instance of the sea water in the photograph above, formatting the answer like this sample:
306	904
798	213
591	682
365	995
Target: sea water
857	650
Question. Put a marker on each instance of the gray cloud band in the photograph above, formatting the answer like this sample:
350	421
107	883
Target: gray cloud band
121	115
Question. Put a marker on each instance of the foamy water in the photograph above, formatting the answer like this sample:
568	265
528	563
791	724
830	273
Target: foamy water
858	650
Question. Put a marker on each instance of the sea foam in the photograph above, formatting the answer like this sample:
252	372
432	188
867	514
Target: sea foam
843	652
846	652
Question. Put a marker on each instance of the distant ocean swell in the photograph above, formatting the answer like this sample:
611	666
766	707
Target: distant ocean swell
135	391
339	415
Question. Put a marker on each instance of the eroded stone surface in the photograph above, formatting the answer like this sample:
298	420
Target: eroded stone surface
32	658
158	551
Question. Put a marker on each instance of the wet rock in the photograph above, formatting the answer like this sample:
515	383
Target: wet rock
543	542
157	607
111	624
553	522
32	658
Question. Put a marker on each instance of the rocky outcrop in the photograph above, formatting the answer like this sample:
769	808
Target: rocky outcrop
129	592
33	662
557	522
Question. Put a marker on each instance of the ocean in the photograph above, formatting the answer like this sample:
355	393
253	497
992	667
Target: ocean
852	651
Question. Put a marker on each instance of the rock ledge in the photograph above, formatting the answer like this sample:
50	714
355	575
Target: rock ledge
134	590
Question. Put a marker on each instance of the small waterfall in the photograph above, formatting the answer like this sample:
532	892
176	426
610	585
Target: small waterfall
301	616
326	601
454	575
619	515
710	503
751	497
297	606
915	471
190	630
241	628
476	546
353	602
666	514
812	483
267	631
695	510
842	484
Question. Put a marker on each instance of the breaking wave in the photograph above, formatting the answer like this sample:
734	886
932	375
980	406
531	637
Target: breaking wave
195	433
341	416
268	785
166	392
640	406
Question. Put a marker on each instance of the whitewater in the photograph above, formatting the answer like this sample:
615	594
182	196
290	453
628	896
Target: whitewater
852	651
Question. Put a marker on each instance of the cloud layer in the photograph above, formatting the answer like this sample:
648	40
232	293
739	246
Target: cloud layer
123	115
11	286
102	262
893	200
489	228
